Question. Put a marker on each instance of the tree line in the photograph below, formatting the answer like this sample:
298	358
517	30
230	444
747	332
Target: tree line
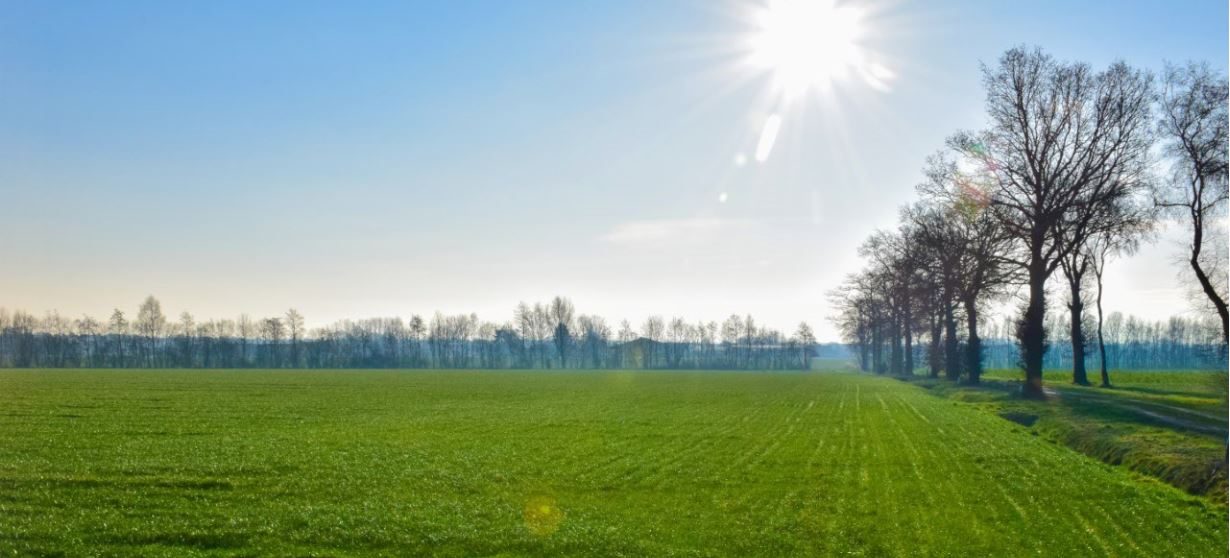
1131	343
1064	177
550	335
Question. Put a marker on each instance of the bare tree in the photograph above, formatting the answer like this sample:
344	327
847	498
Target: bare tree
957	229
1065	145
562	312
595	336
294	325
626	333
1098	251
807	343
150	324
273	331
417	331
187	328
1193	124
1075	267
246	330
88	328
117	329
653	330
894	273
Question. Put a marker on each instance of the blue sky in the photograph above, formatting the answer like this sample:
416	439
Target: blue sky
377	159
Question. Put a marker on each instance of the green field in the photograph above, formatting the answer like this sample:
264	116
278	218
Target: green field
293	463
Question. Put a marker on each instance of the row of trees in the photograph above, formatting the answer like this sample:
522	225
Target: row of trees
1131	344
551	335
1063	179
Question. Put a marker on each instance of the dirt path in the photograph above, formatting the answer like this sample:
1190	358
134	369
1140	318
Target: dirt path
1160	412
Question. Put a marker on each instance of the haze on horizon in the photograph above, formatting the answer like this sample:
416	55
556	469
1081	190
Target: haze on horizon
407	158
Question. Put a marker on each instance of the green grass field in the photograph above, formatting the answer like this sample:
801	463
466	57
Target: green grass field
294	463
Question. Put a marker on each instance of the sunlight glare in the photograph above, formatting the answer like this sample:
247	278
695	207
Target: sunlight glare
807	43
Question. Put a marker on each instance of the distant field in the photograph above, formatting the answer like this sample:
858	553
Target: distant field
1194	382
295	463
1197	396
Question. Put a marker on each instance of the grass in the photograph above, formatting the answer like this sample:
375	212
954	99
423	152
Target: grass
467	463
1199	389
1170	425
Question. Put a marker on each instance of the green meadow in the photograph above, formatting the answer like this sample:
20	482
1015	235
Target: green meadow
510	463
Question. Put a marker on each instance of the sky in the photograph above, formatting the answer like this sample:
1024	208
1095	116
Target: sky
386	159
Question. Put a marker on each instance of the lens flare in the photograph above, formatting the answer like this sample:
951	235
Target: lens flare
768	136
542	515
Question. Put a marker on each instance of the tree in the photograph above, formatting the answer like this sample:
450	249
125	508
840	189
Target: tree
273	331
749	340
939	241
1098	252
88	328
1075	266
1193	125
677	334
653	330
294	324
562	312
1117	230
187	327
595	336
626	333
895	271
852	318
150	325
1064	146
117	328
807	342
417	331
956	229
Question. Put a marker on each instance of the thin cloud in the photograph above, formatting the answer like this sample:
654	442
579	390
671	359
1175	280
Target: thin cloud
701	229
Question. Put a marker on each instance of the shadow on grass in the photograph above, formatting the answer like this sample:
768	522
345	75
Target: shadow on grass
196	540
1170	392
1166	442
15	484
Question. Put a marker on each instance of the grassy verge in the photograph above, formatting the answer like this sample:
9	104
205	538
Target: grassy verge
1167	425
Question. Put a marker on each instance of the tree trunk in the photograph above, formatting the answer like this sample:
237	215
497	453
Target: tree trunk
909	343
864	354
877	350
1080	375
895	366
934	356
1032	332
1101	340
952	360
1207	286
973	347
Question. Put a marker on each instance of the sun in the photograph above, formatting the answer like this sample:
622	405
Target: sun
799	47
806	44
